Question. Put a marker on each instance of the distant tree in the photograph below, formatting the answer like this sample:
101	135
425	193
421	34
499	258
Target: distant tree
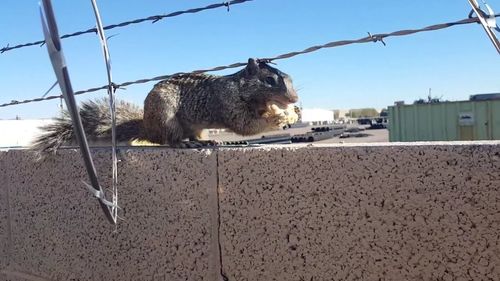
369	112
362	112
384	113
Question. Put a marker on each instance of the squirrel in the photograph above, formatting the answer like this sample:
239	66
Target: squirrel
248	102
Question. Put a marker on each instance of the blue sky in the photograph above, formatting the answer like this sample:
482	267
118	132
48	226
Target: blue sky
454	62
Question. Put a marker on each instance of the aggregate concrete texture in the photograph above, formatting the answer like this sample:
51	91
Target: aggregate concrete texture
420	212
60	233
4	216
286	213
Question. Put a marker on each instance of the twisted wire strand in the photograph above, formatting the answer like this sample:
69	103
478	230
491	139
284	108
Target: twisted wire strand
152	19
370	38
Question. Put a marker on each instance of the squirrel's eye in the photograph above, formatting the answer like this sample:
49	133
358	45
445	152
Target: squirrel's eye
271	81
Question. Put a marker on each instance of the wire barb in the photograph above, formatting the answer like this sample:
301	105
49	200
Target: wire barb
4	49
114	87
266	61
376	38
156	18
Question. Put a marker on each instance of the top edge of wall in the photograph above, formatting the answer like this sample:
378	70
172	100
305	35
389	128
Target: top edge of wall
291	146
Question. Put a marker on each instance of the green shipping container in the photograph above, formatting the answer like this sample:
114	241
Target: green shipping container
446	121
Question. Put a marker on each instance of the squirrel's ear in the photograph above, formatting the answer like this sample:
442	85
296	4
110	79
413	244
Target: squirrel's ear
252	67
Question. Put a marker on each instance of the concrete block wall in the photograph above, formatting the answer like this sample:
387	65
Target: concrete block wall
428	211
58	231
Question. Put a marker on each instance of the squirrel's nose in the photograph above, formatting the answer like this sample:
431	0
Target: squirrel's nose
293	97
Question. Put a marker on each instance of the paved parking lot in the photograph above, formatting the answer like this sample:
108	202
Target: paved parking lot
378	135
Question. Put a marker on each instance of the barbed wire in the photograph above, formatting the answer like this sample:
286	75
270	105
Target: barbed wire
152	19
370	38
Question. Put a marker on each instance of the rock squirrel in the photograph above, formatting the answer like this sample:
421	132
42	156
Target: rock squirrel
248	102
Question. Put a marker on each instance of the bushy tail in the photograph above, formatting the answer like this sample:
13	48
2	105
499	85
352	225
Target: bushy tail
96	120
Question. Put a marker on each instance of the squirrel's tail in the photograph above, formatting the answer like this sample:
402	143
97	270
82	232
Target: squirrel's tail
96	120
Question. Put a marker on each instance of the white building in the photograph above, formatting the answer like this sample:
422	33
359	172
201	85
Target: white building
316	116
17	133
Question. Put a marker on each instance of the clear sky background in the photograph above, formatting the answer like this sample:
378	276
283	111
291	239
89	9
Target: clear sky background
455	62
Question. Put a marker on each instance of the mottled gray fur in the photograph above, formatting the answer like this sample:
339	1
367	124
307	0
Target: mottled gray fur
179	108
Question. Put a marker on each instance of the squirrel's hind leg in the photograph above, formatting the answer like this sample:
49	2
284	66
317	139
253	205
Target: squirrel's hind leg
173	133
200	138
